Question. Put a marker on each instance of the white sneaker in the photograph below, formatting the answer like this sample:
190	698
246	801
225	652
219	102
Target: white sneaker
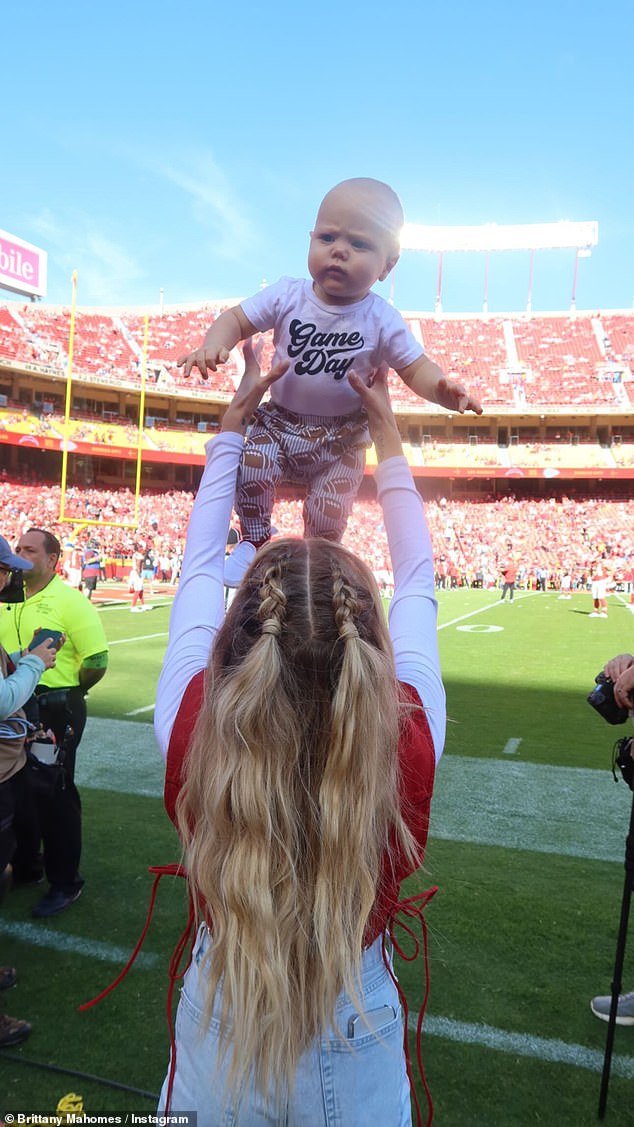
593	614
237	564
600	1007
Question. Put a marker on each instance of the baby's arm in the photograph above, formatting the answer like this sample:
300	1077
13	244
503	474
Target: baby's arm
430	382
229	328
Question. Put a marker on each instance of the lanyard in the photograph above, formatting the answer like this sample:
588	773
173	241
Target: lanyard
20	611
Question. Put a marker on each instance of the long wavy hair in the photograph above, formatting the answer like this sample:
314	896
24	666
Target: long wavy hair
290	800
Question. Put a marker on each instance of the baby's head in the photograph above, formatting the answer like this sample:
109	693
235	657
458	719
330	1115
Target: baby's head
355	242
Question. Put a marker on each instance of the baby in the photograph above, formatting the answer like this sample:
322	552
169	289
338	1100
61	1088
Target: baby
313	430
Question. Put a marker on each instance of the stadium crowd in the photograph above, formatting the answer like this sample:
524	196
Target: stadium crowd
472	540
516	360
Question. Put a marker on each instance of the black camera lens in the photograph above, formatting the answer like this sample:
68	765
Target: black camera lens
602	699
13	591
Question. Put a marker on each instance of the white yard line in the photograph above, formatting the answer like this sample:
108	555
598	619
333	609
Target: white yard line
531	806
496	802
550	1051
159	602
483	610
138	638
40	936
523	1045
500	802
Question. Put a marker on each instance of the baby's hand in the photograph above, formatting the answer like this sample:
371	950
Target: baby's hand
204	359
455	397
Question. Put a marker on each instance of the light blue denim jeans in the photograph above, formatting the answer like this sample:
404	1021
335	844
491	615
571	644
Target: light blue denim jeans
340	1082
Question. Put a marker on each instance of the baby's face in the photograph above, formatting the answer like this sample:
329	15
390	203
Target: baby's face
351	247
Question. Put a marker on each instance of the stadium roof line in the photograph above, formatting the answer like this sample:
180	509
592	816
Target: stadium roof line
496	237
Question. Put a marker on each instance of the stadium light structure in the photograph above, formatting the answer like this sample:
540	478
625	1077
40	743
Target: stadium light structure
493	237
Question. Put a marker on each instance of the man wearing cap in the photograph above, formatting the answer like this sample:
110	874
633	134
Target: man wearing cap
19	674
55	813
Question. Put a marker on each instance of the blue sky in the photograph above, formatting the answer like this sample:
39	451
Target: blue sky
186	147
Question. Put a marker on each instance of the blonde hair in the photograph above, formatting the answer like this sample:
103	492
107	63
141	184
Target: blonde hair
291	799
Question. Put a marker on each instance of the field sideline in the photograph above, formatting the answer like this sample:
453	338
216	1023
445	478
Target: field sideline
527	844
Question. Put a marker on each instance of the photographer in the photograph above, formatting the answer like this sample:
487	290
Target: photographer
620	670
19	674
53	814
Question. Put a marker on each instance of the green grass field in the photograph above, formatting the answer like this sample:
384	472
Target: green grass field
527	846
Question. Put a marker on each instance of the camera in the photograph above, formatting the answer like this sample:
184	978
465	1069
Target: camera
622	758
602	698
14	590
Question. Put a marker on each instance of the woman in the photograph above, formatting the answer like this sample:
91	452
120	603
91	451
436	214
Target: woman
300	765
19	674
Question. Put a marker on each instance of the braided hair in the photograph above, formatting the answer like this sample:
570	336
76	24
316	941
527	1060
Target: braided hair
291	798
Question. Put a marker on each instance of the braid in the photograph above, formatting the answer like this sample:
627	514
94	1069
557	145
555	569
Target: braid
272	609
286	829
345	605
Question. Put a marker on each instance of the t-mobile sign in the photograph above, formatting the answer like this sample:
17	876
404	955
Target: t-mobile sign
22	266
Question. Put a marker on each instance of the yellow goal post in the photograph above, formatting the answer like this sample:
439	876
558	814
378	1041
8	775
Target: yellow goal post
85	521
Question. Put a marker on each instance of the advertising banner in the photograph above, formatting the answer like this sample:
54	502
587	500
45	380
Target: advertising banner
22	266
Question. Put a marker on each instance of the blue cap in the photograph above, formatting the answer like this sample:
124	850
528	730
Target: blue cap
9	558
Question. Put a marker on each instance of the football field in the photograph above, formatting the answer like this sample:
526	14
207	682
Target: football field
527	845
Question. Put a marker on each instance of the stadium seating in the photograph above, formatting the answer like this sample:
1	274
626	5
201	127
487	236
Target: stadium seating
562	361
12	342
542	454
474	537
172	334
474	350
523	368
519	361
618	340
